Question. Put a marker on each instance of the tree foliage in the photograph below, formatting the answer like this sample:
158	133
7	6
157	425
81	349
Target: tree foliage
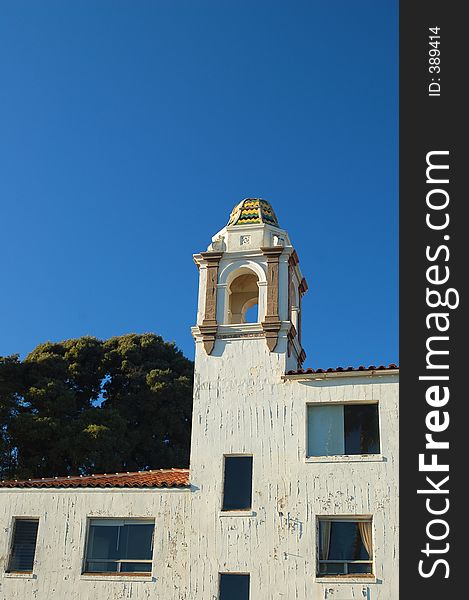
86	406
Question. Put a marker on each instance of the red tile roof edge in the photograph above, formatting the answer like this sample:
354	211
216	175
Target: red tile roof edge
161	478
389	367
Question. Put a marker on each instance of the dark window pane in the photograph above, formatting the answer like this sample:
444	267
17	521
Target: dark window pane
332	568
103	542
237	493
359	568
234	586
361	429
342	568
135	541
101	567
343	539
136	567
346	542
23	545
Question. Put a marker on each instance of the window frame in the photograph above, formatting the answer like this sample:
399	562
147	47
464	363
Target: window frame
118	573
345	575
15	572
236	573
236	511
371	457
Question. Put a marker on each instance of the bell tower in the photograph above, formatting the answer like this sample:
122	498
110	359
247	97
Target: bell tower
250	290
247	336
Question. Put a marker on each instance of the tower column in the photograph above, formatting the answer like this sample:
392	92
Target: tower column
208	328
271	324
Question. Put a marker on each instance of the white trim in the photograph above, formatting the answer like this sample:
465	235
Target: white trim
120	522
113	577
346	458
227	272
19	575
236	513
364	579
338	374
342	402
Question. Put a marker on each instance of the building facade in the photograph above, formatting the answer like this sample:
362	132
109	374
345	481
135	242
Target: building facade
292	491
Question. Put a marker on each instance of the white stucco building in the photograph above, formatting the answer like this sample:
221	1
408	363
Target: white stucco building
292	491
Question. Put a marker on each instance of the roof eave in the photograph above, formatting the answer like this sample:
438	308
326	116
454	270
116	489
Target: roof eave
340	374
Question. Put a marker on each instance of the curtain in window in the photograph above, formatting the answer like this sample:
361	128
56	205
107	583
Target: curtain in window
364	527
325	538
326	430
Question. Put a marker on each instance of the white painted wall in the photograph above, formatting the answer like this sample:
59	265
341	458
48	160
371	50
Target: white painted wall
242	405
61	543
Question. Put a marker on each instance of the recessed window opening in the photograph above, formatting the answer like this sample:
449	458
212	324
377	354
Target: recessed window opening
23	546
343	429
237	484
234	586
119	546
244	298
294	307
345	547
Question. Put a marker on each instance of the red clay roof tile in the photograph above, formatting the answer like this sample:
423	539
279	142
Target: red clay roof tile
162	478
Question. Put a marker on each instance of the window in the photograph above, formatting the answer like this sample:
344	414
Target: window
345	547
234	586
343	429
119	546
23	546
237	489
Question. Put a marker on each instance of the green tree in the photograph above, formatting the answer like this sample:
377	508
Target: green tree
11	390
61	381
149	384
85	406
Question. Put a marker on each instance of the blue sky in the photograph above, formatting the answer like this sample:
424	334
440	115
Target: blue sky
129	130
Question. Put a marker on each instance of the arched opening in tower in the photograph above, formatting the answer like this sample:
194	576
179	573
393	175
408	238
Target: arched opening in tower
244	298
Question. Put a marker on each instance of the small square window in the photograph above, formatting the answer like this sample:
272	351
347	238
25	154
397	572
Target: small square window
343	429
234	586
237	486
345	547
23	546
119	546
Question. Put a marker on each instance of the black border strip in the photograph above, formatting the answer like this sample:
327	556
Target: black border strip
432	121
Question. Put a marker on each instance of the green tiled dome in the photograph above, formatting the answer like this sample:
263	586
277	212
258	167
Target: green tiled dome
253	211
